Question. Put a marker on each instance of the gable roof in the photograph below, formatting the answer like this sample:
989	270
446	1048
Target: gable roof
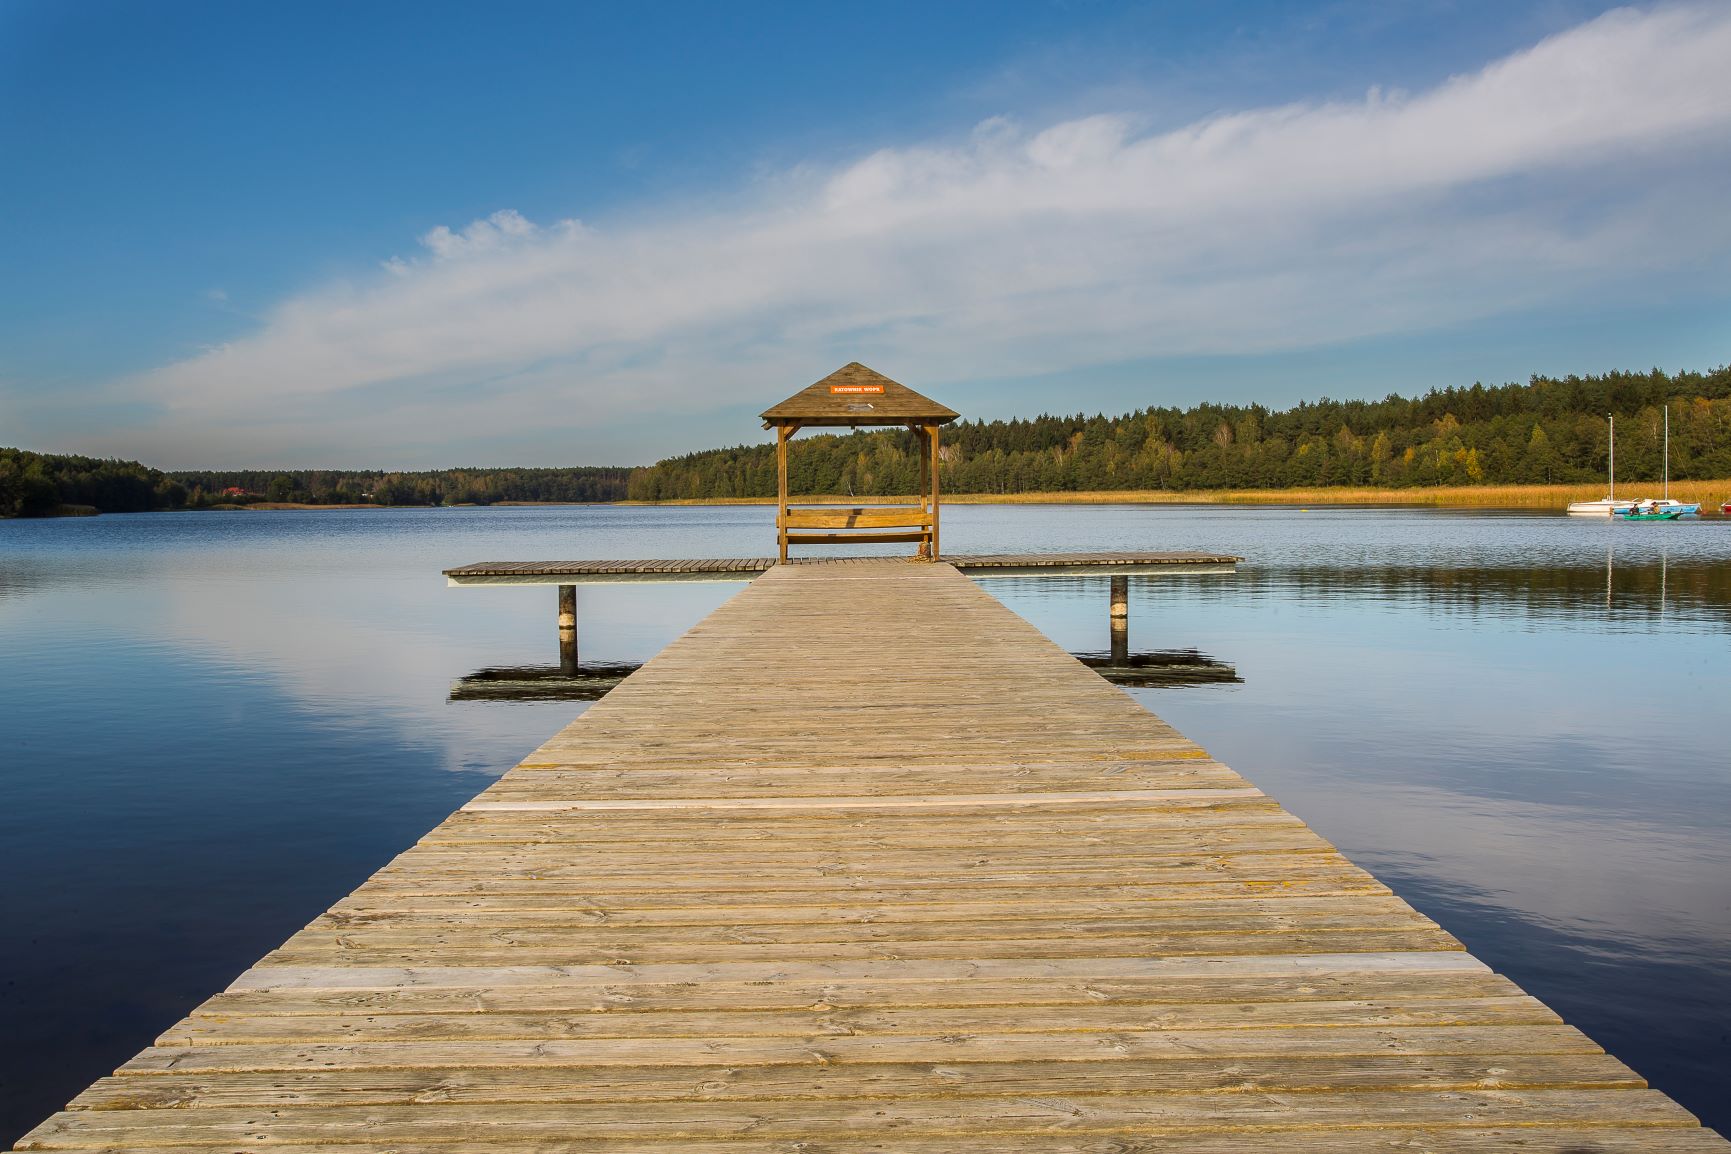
856	395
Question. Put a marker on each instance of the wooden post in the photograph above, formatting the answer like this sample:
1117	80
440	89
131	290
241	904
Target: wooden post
568	630
1120	620
781	488
925	491
919	432
934	440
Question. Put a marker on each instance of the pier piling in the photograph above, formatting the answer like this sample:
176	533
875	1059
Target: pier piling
1120	620
568	630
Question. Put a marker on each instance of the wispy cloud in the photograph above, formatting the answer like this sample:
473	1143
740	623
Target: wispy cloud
1594	156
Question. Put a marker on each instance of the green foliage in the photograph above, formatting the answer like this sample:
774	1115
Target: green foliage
37	484
1545	431
378	487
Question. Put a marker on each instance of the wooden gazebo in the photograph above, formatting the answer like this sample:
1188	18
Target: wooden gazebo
851	397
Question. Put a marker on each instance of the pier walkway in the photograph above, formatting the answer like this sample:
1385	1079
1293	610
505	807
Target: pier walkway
863	862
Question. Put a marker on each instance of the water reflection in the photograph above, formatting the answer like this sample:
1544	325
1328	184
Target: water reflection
1690	596
216	725
1161	669
541	682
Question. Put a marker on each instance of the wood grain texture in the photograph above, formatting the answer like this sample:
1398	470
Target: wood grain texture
863	864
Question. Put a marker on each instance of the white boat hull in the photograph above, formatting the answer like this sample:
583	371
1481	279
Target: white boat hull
1605	508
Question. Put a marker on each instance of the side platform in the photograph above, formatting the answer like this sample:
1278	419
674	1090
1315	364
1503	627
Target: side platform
747	568
863	862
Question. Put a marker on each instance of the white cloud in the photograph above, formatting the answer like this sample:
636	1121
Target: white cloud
1018	251
500	231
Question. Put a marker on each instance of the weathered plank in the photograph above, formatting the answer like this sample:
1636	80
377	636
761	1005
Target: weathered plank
1011	1117
1401	1140
887	1080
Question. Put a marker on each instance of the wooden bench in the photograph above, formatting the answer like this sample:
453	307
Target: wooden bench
863	524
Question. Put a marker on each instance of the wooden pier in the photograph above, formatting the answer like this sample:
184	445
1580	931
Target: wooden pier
863	862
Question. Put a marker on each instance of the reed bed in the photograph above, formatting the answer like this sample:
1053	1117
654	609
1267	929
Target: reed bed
1709	493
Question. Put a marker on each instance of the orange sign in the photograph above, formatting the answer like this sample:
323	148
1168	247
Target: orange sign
836	390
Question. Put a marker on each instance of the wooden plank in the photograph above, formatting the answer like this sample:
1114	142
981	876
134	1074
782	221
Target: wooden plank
224	1029
433	974
925	915
845	538
841	1116
1324	1141
433	895
808	518
878	802
611	950
884	1080
603	997
1380	1140
836	1050
1406	1141
909	880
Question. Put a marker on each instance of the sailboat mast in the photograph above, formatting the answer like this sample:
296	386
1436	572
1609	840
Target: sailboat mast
1612	417
1667	450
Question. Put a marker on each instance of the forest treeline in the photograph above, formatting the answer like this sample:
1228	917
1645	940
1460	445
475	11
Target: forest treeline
41	484
583	484
1547	431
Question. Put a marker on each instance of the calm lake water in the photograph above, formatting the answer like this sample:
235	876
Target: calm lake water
213	725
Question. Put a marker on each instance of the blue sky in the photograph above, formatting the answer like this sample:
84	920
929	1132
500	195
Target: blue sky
417	235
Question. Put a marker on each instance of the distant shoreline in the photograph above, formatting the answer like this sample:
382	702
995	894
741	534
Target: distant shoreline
1710	494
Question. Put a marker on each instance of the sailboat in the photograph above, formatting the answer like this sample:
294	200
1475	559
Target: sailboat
1610	505
1665	509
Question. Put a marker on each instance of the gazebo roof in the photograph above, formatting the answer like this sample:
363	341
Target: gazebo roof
855	395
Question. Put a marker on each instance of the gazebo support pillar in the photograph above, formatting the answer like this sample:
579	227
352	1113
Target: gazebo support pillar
922	469
932	438
782	433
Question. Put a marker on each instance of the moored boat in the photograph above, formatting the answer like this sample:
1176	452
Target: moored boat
1608	506
1664	510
